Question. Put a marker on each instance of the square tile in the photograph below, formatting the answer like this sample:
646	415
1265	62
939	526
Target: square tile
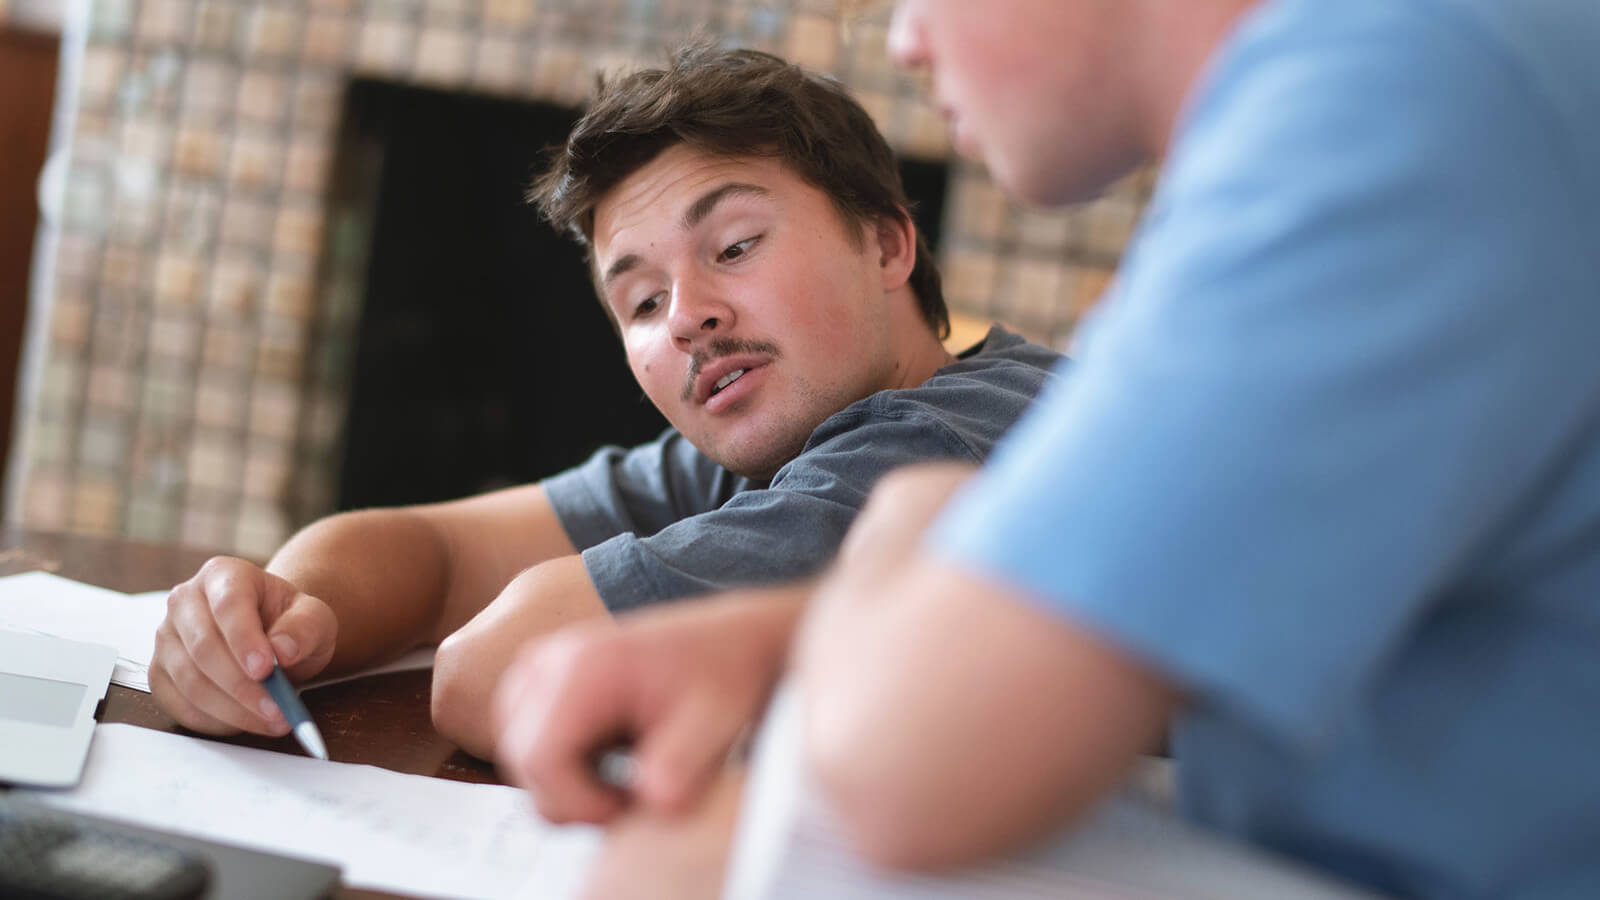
179	279
44	501
327	39
247	222
260	529
387	47
151	518
813	42
70	314
122	267
216	24
219	402
164	397
227	348
101	75
291	291
77	258
236	280
96	505
163	21
110	20
197	151
263	97
298	231
504	14
272	31
268	470
274	409
205	522
306	169
444	55
61	387
209	90
318	101
194	210
256	162
111	388
280	353
102	445
216	461
498	64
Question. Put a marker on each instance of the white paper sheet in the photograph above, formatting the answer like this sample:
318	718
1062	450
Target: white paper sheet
49	604
407	834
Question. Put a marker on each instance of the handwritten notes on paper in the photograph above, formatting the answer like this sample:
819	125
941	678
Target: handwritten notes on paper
408	834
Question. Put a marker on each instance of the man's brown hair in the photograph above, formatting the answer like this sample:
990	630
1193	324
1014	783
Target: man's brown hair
735	103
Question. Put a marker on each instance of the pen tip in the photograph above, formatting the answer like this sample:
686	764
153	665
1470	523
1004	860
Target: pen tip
311	739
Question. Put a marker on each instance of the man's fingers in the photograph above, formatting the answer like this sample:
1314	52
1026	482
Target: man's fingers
198	702
555	705
303	637
181	710
683	754
200	661
236	591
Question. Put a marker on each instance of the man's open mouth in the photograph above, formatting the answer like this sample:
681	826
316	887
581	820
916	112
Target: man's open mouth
726	380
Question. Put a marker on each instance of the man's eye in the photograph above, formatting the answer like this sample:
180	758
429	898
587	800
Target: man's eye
735	251
646	306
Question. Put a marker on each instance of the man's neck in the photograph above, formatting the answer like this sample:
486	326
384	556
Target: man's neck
921	354
1178	40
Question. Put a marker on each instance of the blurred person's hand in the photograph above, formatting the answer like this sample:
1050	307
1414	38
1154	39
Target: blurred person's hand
684	854
223	630
681	684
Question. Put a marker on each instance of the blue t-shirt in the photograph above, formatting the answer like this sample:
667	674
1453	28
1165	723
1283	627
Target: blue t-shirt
1330	454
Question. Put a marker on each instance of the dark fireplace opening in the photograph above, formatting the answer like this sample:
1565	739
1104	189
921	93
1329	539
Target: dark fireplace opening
483	358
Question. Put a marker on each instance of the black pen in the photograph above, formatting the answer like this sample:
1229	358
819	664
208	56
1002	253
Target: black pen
294	712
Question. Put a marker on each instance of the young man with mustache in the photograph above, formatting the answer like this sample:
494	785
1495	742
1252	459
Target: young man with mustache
749	238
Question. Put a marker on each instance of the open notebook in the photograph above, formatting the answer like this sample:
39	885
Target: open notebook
1132	849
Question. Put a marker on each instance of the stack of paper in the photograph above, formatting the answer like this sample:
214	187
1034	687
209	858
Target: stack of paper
49	604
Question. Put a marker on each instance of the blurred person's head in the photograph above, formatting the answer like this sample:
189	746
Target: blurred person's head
1061	97
749	236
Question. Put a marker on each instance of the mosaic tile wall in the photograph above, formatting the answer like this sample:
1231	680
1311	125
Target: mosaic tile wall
207	289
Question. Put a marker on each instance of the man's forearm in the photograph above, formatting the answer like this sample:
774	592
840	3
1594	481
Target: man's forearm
471	660
383	572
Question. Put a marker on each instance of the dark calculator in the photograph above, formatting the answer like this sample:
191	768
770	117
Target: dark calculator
46	855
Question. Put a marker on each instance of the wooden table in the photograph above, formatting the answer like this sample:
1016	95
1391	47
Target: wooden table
381	720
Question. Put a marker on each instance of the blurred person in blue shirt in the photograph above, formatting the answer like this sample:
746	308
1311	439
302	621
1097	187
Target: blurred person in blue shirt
1321	494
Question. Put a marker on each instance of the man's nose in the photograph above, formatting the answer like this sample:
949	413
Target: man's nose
697	313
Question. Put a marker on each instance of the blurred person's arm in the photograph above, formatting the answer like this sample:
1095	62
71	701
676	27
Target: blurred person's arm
949	718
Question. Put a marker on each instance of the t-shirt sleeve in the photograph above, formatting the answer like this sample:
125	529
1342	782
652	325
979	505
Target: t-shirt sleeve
638	491
790	529
1351	345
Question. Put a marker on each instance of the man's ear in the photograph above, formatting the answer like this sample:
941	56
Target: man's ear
897	249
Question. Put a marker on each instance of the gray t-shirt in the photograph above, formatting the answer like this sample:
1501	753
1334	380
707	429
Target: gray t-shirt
662	521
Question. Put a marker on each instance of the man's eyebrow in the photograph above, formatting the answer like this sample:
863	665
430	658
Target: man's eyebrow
708	201
619	268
